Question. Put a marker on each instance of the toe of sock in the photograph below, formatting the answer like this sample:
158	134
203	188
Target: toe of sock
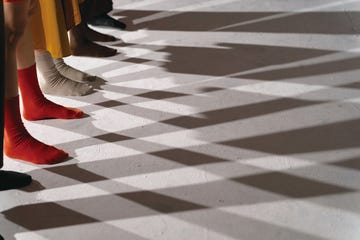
75	112
55	156
60	157
90	78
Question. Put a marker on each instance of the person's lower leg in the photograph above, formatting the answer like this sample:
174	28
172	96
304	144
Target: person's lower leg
82	46
18	143
53	82
35	105
72	73
93	35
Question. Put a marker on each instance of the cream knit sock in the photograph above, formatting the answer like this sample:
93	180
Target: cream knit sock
52	82
72	73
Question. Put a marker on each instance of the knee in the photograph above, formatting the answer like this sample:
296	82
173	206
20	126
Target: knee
13	34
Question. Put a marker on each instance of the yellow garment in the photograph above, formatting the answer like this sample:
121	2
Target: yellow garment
50	23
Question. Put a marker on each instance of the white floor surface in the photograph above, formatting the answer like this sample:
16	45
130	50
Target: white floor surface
218	120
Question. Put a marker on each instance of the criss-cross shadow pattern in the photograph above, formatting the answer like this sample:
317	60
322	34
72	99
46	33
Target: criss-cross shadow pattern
218	120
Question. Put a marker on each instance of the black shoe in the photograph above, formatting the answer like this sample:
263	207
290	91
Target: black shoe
107	21
12	180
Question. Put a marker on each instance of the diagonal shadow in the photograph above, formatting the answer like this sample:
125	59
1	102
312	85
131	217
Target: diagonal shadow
126	205
239	112
147	203
213	117
185	21
75	172
41	216
169	159
207	118
253	189
54	217
187	157
337	66
334	22
101	170
351	163
161	95
298	187
291	186
231	58
110	103
339	135
355	85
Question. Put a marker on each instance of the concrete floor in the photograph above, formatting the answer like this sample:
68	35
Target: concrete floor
219	120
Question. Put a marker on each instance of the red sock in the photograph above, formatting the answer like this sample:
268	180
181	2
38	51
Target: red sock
18	143
36	106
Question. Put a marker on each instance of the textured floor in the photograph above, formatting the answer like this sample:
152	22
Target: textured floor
231	119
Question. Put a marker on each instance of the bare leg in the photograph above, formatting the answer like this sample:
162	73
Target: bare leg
89	10
14	27
36	106
24	50
72	73
82	46
18	143
93	35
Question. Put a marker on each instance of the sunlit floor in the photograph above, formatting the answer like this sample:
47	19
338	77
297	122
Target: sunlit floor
231	119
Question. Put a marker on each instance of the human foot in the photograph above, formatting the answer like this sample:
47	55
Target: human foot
91	49
19	144
52	82
72	73
35	105
93	35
